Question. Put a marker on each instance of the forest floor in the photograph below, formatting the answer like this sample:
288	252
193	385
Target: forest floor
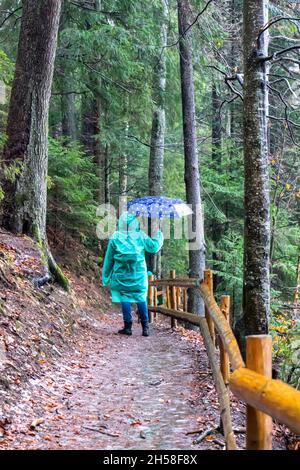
69	381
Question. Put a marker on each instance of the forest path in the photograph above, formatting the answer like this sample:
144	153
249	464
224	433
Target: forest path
117	392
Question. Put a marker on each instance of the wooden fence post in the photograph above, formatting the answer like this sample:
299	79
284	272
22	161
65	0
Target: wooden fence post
208	280
155	302
168	296
151	297
224	359
173	298
259	359
178	297
185	300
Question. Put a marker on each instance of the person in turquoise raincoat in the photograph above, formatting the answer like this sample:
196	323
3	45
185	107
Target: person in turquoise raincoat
125	270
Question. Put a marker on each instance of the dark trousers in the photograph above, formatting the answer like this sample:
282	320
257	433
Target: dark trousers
142	309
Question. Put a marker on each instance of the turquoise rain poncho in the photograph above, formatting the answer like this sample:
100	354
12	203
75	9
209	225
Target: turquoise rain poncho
124	268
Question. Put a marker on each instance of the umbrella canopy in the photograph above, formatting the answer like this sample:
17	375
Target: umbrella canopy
158	207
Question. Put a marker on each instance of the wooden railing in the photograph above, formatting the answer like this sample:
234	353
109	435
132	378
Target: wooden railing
265	397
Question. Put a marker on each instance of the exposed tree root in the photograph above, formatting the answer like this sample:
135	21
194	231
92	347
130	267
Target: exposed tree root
50	264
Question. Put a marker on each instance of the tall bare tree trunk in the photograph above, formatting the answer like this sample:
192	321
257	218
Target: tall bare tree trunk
191	175
216	128
65	80
296	290
68	119
216	155
256	298
91	125
156	162
123	171
107	175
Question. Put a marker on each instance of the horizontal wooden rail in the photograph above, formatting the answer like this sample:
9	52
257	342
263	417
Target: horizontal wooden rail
273	397
178	315
177	282
223	327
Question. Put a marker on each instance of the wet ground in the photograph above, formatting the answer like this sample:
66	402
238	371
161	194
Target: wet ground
118	392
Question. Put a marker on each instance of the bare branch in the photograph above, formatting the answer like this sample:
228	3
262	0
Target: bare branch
275	118
229	79
285	80
69	93
8	16
273	21
216	68
107	79
232	88
275	55
228	101
190	26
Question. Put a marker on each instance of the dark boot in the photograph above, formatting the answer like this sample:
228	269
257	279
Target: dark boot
145	326
127	329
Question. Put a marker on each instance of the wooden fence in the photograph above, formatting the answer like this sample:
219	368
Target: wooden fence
252	382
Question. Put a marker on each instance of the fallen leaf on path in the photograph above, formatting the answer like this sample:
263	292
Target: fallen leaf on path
210	438
136	423
36	422
69	389
59	417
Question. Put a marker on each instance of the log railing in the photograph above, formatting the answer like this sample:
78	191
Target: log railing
251	382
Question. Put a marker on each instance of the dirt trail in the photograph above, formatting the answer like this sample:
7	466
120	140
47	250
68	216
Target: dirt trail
69	381
117	393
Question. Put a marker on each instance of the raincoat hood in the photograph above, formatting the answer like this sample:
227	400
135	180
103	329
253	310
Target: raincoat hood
128	223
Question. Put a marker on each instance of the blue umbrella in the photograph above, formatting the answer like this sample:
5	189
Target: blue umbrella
158	207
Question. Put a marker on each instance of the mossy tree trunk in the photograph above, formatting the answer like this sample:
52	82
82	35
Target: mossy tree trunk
26	150
256	297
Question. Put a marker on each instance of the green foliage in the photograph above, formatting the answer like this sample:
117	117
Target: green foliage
6	68
286	344
11	171
72	194
109	57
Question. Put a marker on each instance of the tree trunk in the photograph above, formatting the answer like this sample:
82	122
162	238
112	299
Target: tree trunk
27	128
68	118
216	155
156	162
296	291
256	297
191	175
123	175
25	203
91	124
216	128
64	72
107	175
